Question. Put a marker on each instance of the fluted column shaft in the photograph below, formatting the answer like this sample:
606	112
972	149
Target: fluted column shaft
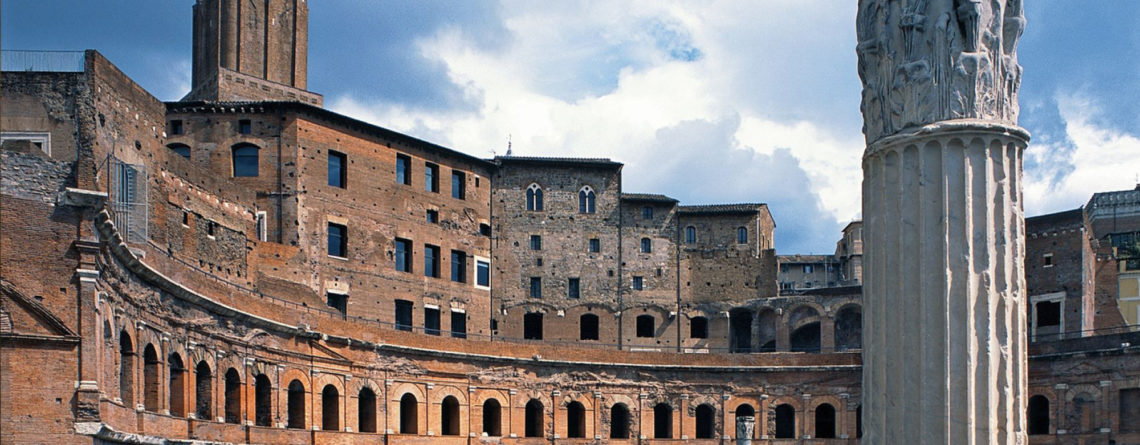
944	357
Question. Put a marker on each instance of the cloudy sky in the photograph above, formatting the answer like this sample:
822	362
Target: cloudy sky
708	102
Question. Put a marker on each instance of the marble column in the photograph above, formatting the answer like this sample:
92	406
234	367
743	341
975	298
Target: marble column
944	357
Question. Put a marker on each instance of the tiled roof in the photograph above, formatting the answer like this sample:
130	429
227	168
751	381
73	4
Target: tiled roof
557	160
721	208
795	259
647	197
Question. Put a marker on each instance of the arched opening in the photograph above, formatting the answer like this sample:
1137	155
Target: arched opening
409	414
534	198
245	160
741	235
619	421
785	422
181	149
662	421
534	421
177	385
706	421
768	323
296	405
1038	415
740	322
849	328
203	391
742	411
263	401
126	369
366	410
532	326
645	326
825	421
804	325
152	389
449	416
233	396
575	420
330	408
588	327
492	418
586	199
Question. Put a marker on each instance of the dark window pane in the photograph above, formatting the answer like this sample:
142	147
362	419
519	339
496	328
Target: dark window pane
638	283
433	216
699	327
431	321
403	169
338	302
431	261
431	178
645	326
182	150
338	163
458	185
403	315
245	159
483	273
595	245
338	240
572	288
458	266
535	287
244	126
536	242
458	325
403	255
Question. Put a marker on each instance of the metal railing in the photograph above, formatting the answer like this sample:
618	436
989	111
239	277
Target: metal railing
128	202
42	61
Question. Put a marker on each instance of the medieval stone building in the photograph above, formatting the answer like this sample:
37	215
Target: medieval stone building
244	266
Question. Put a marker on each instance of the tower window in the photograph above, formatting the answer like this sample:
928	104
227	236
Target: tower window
647	212
572	288
431	261
690	235
586	199
458	325
176	127
245	127
404	169
433	216
403	255
482	273
638	283
431	177
458	185
741	235
338	169
535	287
534	198
595	245
646	245
536	242
245	160
458	266
404	315
431	320
338	240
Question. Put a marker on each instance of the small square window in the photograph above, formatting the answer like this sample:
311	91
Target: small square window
535	287
808	268
647	212
484	229
638	283
595	245
338	301
536	242
245	126
176	126
433	216
1048	258
572	288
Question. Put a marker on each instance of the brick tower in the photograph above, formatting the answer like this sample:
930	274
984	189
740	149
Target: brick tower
251	50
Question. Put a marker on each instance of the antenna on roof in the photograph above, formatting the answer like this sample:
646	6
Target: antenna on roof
508	144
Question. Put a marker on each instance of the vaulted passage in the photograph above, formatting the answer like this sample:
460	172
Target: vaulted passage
785	422
233	396
296	402
177	386
743	411
409	414
534	421
575	420
492	418
848	329
449	416
263	401
706	421
740	321
1038	415
366	410
203	394
330	408
825	421
152	388
662	421
126	369
619	421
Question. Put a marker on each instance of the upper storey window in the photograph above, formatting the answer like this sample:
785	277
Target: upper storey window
458	185
646	245
176	126
404	169
586	200
431	177
534	198
245	127
741	235
647	212
182	150
245	160
690	235
338	240
338	169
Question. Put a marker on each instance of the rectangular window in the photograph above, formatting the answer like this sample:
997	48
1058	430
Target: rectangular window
458	185
458	266
646	245
431	177
175	127
245	127
404	169
1129	410
808	268
1048	313
338	301
645	326
186	217
647	212
484	229
638	283
431	261
403	315
338	169
431	320
1048	260
433	216
338	240
595	245
536	242
458	324
535	287
699	327
572	288
483	273
211	229
403	255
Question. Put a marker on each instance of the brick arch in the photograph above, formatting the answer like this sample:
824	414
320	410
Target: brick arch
358	383
586	399
439	392
481	395
607	403
809	421
733	404
530	306
523	397
796	309
1076	424
415	389
595	308
324	379
1055	415
260	367
664	311
770	414
291	374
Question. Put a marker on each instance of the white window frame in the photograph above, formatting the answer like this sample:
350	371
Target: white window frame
1050	297
43	137
475	274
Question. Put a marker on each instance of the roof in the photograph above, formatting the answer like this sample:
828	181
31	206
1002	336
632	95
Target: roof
599	162
356	124
713	209
648	197
1053	221
795	259
1122	197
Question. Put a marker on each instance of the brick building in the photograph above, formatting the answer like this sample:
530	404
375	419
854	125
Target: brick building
244	266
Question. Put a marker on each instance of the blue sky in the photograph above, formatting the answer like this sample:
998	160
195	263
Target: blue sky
717	101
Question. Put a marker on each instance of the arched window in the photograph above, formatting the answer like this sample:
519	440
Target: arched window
740	334
177	385
743	411
534	422
588	327
849	328
492	418
646	245
825	421
532	326
126	369
1038	415
263	401
586	200
296	405
645	326
203	391
804	325
409	415
741	235
662	421
181	149
690	235
449	416
575	420
366	410
245	160
534	198
330	408
706	421
152	389
233	396
785	422
619	421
